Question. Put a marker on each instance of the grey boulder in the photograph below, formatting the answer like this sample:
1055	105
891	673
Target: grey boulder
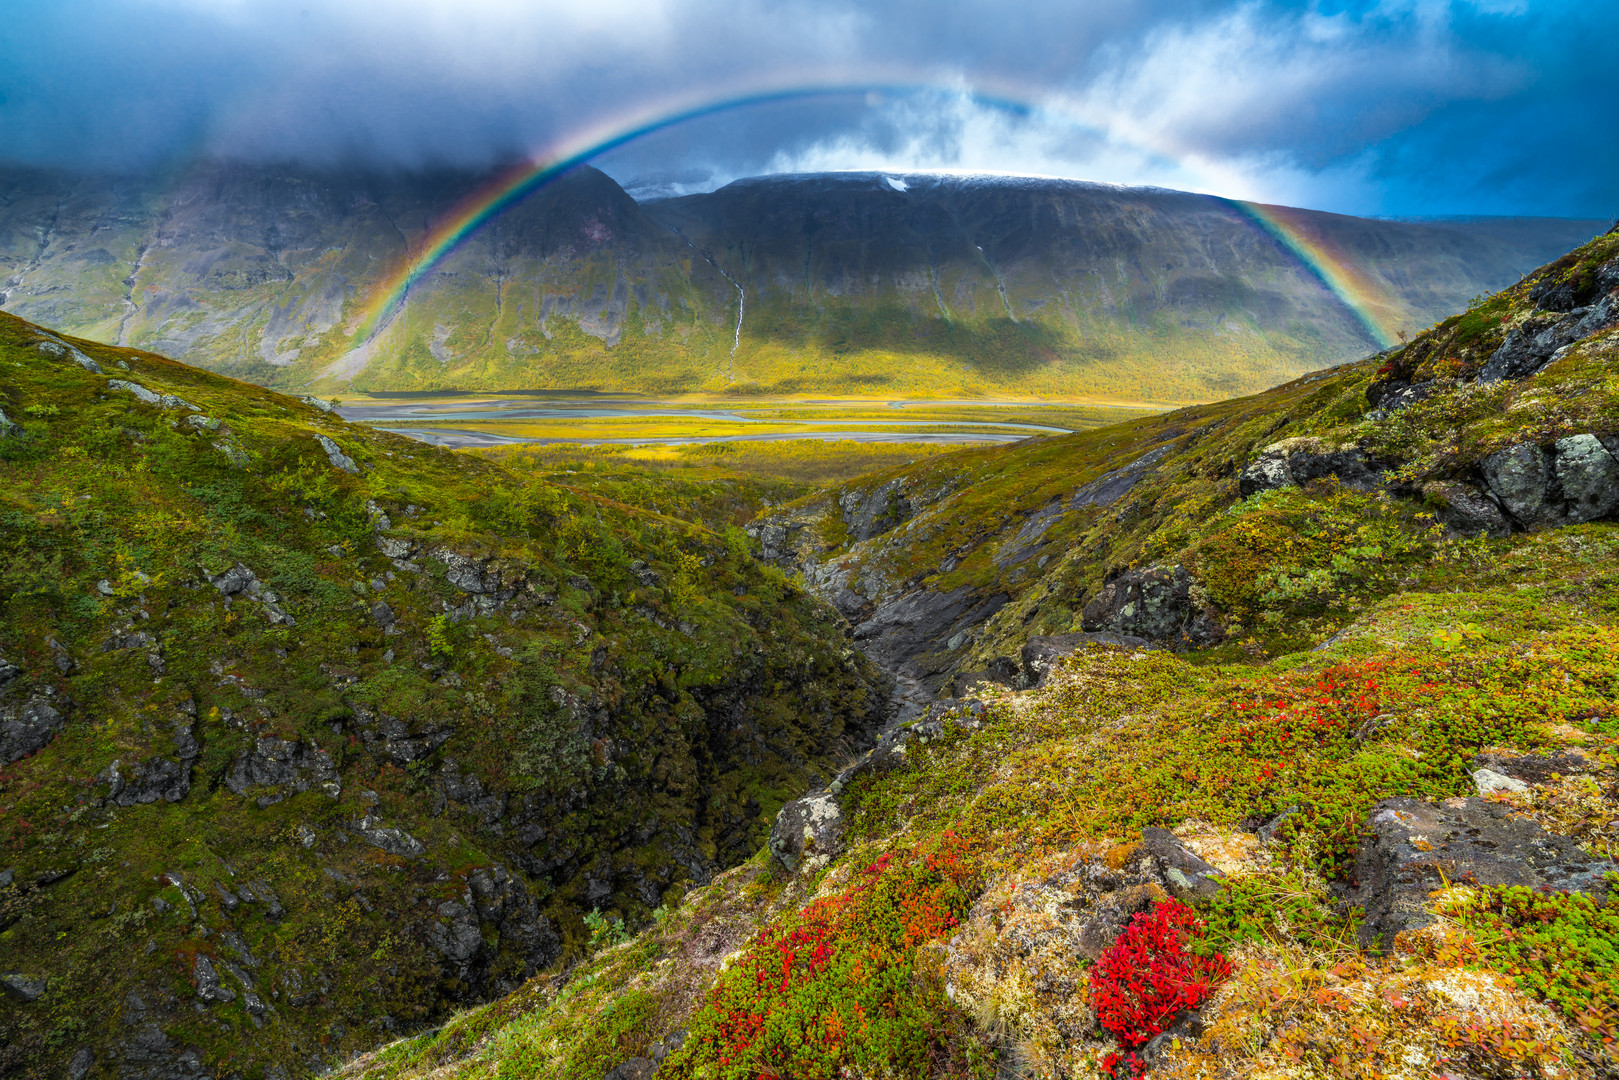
335	455
289	766
209	988
1536	341
808	832
1296	462
1571	481
394	841
29	728
1464	509
151	397
22	987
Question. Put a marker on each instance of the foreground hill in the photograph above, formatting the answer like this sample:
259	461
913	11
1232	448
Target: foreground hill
1319	778
308	731
950	286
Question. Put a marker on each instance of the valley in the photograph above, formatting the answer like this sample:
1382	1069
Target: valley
428	732
635	421
572	758
801	541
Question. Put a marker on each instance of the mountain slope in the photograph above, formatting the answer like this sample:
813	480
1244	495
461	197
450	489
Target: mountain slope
309	731
1324	781
952	285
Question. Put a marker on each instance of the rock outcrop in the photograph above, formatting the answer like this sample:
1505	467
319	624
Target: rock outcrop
1021	957
1465	509
287	767
808	832
1040	654
1413	848
1567	482
1158	603
1296	462
28	723
1535	342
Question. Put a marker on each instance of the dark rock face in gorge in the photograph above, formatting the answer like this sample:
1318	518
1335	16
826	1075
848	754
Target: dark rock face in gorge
265	273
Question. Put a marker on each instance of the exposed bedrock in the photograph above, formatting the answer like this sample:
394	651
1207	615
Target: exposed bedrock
1296	462
1413	848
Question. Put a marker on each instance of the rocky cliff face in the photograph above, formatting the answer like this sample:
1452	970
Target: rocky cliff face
1043	286
309	732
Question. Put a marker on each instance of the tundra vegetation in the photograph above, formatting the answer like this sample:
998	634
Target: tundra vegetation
322	730
1191	846
1274	737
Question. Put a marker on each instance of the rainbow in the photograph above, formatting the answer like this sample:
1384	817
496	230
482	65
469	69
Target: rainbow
1369	302
1377	311
515	183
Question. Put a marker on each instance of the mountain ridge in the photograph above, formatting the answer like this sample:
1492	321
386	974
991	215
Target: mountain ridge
263	272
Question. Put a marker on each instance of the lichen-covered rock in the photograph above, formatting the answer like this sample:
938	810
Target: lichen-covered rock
901	631
1413	848
1466	510
1019	962
151	397
335	455
808	832
28	725
1489	782
1296	462
495	899
22	987
8	427
209	988
1569	482
1157	603
393	840
1040	654
158	777
1533	343
870	513
1396	394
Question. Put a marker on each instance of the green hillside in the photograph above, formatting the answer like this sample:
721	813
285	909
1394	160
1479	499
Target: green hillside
1297	709
310	732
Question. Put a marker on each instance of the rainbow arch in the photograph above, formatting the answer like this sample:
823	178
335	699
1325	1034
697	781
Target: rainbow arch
517	182
1377	312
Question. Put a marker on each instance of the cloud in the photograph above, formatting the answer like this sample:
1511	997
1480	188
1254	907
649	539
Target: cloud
1395	106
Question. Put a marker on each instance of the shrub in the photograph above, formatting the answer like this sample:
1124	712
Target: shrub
1559	946
1147	976
840	989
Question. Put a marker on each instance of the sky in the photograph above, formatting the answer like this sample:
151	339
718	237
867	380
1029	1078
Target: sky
1396	108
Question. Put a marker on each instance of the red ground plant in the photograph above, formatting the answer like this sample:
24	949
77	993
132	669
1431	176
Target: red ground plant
1146	977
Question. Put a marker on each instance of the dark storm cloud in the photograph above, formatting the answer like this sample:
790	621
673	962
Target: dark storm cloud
1396	107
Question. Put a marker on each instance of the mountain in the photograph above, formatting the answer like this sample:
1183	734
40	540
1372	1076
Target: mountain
856	283
310	732
1280	740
